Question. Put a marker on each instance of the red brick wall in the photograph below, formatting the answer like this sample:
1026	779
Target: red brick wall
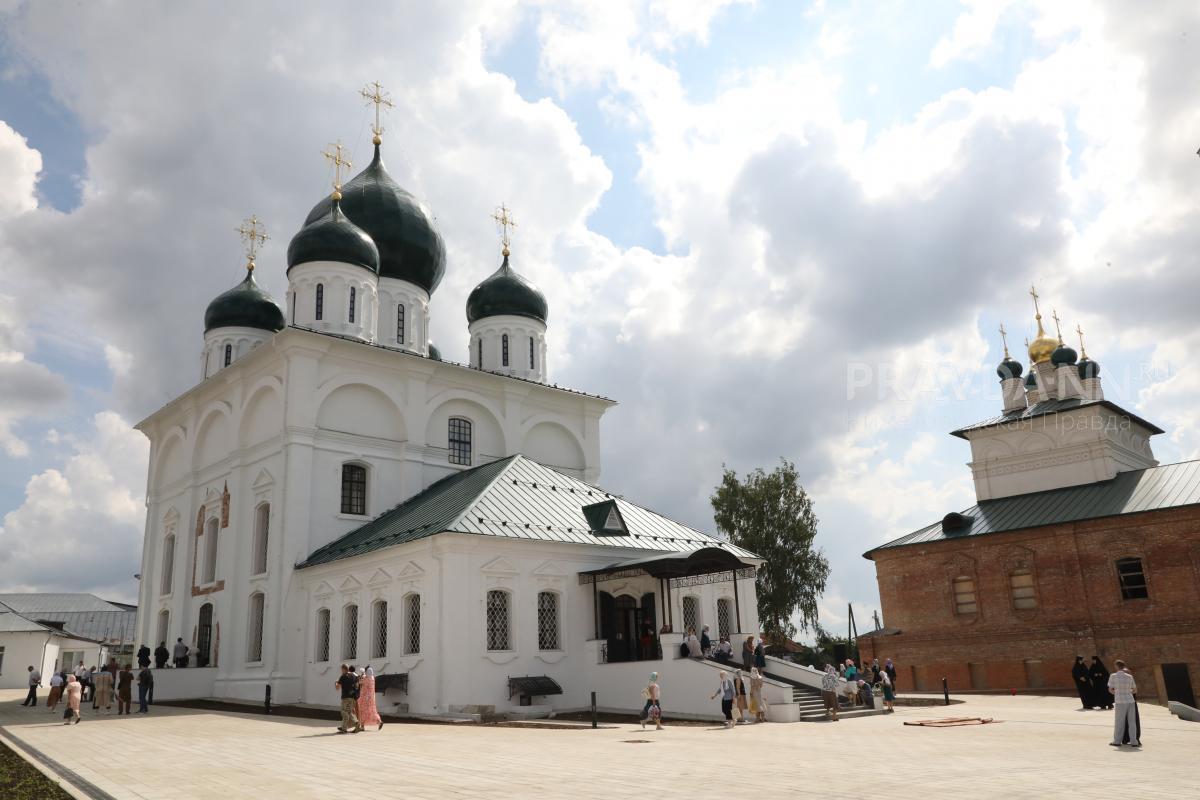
1079	607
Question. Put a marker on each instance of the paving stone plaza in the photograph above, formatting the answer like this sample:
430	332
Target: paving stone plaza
1040	747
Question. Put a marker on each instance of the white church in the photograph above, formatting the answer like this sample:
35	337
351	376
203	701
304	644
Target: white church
333	490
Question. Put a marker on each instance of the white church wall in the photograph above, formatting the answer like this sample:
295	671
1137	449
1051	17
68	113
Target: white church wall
336	280
487	342
392	294
23	650
550	443
237	341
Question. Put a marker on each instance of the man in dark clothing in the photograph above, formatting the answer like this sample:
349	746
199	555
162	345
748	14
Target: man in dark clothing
1099	675
35	680
1083	683
143	656
145	690
347	684
161	654
181	653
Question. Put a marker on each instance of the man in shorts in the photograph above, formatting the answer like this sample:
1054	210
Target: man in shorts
347	684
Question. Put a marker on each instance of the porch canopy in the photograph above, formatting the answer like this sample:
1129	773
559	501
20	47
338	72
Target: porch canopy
668	566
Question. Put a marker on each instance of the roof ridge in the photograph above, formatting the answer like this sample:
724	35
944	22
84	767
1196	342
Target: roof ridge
480	494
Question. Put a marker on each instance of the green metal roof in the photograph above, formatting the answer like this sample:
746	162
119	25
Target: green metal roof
515	498
1133	492
1052	407
244	306
504	292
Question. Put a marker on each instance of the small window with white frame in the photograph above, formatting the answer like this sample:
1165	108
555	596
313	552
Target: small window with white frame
262	524
322	648
166	583
379	629
459	440
412	624
499	620
965	599
691	614
350	632
354	489
254	628
549	637
1024	593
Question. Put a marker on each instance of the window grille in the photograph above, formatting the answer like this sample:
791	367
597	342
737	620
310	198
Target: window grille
164	626
320	301
262	522
725	617
400	324
531	346
498	603
379	623
228	354
548	638
965	601
351	304
1024	594
254	631
354	489
460	440
504	350
691	613
322	653
210	552
168	564
412	624
350	633
1132	579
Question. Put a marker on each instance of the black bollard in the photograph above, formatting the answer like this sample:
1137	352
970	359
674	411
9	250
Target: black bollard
946	691
267	700
593	709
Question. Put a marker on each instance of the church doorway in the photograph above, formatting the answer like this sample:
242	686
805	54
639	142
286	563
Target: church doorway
627	628
204	635
1178	684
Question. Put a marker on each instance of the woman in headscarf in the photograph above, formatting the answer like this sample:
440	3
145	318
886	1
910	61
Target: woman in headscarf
757	707
727	694
74	691
693	645
103	691
367	712
739	686
889	693
829	691
748	653
1083	683
652	710
56	689
890	669
1099	675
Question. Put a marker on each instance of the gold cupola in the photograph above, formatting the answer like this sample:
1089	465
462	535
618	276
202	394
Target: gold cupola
1043	345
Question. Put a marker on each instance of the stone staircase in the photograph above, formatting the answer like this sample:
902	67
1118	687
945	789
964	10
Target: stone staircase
812	708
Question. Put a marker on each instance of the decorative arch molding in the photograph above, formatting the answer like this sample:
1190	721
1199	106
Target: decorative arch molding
263	481
206	426
349	585
172	451
499	566
388	389
1014	557
267	390
324	591
390	422
543	437
381	578
1036	442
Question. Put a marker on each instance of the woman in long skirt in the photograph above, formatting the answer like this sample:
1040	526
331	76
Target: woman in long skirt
368	714
757	707
739	686
889	691
102	694
74	692
56	689
726	692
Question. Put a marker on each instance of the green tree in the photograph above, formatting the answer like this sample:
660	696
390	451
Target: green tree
772	516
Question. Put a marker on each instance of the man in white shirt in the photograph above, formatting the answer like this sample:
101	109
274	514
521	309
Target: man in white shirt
35	680
1123	689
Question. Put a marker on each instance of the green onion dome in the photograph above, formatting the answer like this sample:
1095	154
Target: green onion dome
1063	355
244	306
1088	368
434	353
333	237
410	248
1009	368
1031	380
505	292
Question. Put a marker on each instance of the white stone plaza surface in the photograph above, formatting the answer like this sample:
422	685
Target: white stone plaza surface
1041	747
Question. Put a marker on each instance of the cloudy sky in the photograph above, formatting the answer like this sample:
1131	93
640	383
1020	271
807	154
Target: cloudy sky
770	230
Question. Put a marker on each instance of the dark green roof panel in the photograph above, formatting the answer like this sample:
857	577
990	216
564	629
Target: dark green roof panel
1133	492
333	238
244	306
505	293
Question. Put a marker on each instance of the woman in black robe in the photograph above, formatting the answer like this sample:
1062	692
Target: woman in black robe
1099	673
1083	683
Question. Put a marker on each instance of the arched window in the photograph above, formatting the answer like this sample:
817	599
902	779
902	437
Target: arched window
459	439
354	489
531	346
351	317
262	522
412	623
479	353
547	619
168	565
965	601
691	614
322	653
254	628
400	324
504	350
320	301
228	354
499	618
725	617
1132	579
379	625
164	626
1020	583
350	632
210	552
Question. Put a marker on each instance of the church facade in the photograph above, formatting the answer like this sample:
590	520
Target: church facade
1080	543
333	491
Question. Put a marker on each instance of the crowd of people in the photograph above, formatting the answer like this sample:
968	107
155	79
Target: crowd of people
858	686
1098	688
74	687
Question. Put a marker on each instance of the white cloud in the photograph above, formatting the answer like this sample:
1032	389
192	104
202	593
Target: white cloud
972	31
19	168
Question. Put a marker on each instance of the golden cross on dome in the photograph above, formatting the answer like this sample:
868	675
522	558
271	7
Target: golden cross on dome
253	233
334	154
1082	349
504	219
1033	293
1004	338
374	93
1057	324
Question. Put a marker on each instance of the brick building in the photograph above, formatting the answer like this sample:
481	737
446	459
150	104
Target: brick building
1080	544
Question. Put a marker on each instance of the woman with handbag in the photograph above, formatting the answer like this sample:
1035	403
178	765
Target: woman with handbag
74	692
652	710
